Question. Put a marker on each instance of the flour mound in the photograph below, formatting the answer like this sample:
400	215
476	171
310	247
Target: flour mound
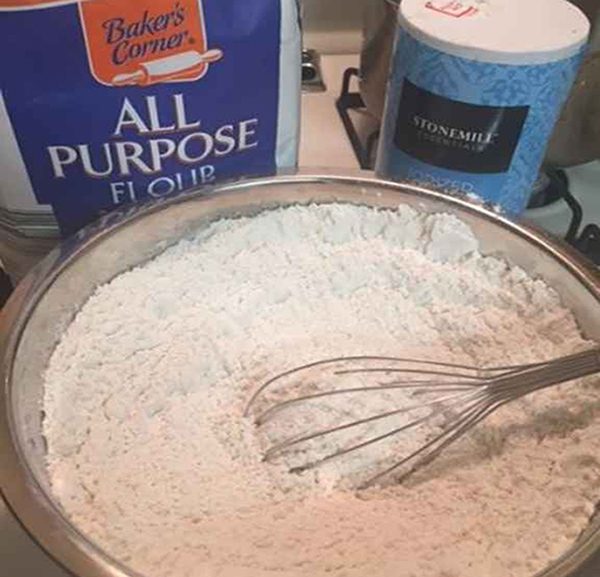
150	456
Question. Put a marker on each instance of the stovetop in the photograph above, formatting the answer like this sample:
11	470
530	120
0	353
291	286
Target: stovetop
325	145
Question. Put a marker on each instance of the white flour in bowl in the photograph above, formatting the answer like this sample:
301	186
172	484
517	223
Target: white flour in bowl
149	453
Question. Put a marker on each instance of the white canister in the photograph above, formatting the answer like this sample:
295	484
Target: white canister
475	89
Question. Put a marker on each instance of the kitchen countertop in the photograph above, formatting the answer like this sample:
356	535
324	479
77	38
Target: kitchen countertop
19	555
323	145
324	142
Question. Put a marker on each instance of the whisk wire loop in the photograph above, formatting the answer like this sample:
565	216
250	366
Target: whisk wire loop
469	395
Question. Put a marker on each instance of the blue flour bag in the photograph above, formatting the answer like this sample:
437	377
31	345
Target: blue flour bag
109	102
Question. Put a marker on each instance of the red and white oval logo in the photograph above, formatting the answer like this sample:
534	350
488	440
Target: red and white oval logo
146	42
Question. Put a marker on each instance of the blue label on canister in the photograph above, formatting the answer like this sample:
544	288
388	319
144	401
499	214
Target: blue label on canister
469	126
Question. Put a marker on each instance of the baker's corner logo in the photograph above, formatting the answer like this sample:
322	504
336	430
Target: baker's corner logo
146	42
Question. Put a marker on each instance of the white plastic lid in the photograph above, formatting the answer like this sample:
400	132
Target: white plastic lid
498	31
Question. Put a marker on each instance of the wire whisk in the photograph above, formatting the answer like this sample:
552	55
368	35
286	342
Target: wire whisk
444	400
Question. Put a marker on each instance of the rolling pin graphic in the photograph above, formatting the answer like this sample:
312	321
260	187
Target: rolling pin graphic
168	68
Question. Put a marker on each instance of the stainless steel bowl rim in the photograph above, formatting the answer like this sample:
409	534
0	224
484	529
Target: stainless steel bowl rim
20	488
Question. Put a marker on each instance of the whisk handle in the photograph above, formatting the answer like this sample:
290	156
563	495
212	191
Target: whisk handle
544	375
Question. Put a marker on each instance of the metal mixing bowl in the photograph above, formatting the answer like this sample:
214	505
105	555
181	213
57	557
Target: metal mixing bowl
46	301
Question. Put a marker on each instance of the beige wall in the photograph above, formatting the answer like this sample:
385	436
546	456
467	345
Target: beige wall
333	26
333	14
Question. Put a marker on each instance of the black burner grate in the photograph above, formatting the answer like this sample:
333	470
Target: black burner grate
348	101
589	242
5	288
